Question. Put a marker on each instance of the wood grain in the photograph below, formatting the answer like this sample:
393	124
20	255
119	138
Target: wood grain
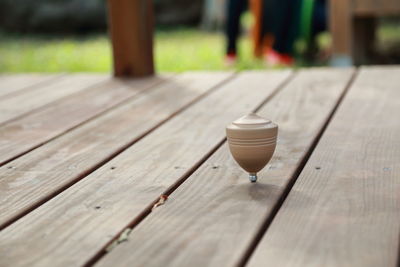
14	106
30	131
75	225
344	209
212	218
31	179
131	28
13	83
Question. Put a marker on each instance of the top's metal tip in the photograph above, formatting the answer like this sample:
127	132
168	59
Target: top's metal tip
253	177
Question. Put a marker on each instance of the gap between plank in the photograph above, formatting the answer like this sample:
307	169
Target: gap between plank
116	153
153	205
270	217
117	105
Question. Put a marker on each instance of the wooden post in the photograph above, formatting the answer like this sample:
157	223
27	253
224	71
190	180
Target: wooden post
341	27
131	28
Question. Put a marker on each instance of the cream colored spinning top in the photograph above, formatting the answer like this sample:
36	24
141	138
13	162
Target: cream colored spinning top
252	141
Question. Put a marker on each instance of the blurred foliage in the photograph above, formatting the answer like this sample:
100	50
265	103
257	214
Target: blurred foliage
388	46
178	12
82	16
52	15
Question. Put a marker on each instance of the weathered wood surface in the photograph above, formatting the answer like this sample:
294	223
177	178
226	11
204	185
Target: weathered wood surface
344	209
62	203
213	217
15	105
33	178
12	84
76	224
28	132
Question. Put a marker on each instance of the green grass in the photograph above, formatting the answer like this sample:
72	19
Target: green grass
195	50
175	51
40	54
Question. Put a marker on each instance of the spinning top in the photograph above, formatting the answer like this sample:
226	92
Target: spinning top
252	141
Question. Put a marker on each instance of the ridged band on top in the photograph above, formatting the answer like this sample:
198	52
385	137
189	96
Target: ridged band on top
252	142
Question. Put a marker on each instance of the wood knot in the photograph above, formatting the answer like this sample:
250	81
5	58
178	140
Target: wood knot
160	201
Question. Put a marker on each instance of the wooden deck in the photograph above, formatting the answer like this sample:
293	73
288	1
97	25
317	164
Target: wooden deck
110	172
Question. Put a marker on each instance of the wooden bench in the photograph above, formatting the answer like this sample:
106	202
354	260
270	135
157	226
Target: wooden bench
352	25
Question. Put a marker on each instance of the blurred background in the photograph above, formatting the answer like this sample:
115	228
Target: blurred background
71	36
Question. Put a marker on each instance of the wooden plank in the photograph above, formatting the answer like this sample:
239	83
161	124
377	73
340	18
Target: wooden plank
393	10
212	218
22	135
13	83
376	8
76	224
344	209
15	106
35	177
131	27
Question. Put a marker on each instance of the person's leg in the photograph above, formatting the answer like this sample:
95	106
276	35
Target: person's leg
283	22
234	10
268	24
280	24
319	20
286	29
318	25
